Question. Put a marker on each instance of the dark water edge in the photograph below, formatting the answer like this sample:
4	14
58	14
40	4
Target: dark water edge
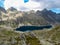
31	28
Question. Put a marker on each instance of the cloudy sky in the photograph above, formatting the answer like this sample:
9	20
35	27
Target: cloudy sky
53	5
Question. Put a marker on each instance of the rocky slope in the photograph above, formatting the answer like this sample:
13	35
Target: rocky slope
14	18
40	37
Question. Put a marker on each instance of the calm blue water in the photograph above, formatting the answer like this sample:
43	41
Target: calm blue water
31	28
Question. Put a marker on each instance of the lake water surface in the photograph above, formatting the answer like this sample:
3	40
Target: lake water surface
31	28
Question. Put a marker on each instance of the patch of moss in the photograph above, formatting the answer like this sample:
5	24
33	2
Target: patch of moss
32	40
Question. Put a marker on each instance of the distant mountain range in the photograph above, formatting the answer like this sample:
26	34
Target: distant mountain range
44	17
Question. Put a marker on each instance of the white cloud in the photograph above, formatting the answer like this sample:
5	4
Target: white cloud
13	3
18	4
32	4
49	4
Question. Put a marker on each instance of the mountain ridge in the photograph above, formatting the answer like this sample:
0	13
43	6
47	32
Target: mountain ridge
15	17
11	8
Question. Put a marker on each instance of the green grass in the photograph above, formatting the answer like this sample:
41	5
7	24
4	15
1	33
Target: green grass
32	40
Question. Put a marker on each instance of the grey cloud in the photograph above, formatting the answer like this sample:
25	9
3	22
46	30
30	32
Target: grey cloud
49	3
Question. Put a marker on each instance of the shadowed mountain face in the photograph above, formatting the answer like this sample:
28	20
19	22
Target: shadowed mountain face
49	15
2	9
21	18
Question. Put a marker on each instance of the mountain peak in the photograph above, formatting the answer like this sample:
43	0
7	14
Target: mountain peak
44	10
12	9
2	9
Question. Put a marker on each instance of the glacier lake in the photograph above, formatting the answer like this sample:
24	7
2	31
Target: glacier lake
31	28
